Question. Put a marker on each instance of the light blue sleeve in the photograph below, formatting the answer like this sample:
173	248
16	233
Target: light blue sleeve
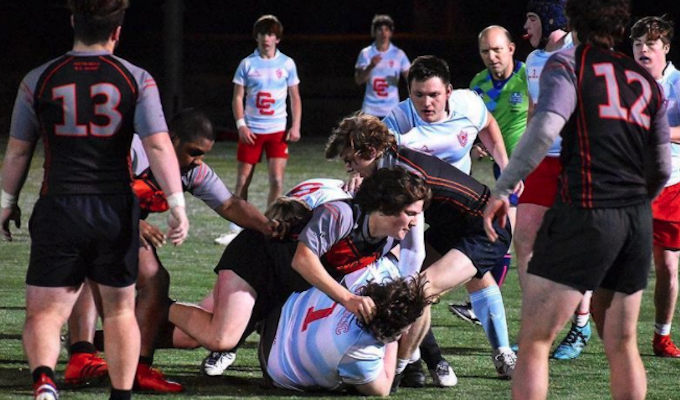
362	365
293	78
241	74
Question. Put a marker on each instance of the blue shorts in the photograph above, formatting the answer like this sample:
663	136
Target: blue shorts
74	237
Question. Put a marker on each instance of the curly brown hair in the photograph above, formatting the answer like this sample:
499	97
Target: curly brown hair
390	190
398	304
95	20
291	213
358	133
601	23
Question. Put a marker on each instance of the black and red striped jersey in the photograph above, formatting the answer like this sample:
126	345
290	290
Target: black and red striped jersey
453	191
86	107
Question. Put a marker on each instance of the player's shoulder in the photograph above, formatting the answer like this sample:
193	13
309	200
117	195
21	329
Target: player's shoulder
464	98
480	77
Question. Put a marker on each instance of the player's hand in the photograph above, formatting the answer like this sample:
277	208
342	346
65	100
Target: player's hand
178	225
362	307
150	235
10	214
274	229
353	183
519	189
245	135
293	134
478	152
497	207
375	60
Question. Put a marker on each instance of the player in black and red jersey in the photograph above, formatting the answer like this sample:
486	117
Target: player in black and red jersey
86	106
611	116
457	246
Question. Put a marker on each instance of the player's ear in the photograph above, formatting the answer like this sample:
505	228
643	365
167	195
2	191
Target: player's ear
511	47
115	35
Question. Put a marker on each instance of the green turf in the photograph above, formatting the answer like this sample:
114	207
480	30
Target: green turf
191	266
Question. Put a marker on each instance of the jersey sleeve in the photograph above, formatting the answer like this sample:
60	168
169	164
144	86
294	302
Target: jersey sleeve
25	124
293	78
149	117
558	85
362	60
471	105
330	223
405	63
241	74
362	364
140	161
203	183
397	120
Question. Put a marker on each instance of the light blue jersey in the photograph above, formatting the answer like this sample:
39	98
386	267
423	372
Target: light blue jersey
534	66
318	191
670	82
318	344
450	139
382	88
266	83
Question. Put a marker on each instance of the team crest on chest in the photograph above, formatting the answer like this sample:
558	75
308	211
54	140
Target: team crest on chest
462	138
279	73
515	98
391	63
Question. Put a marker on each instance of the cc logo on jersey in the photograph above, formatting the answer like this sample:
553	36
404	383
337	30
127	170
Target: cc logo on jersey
263	102
380	86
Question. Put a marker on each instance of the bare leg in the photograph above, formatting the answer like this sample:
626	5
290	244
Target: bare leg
121	334
83	320
244	175
529	219
554	303
666	287
222	329
277	169
151	310
619	313
47	310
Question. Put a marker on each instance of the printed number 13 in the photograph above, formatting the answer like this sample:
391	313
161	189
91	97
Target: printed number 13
108	108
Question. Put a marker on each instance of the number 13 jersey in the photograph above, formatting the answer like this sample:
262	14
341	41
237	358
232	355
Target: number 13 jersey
86	107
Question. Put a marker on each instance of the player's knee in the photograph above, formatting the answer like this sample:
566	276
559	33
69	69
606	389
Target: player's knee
221	342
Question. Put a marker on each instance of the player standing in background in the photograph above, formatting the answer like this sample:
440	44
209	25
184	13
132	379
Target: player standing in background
503	87
598	235
264	80
379	67
86	106
444	123
652	38
545	26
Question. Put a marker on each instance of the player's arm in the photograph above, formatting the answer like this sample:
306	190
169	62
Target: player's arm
165	168
237	108
296	111
412	249
383	383
244	214
491	138
14	171
308	265
675	134
658	154
363	74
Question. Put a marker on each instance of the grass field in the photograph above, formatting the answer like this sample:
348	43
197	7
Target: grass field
191	265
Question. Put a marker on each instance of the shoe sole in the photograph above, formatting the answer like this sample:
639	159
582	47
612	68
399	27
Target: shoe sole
79	383
464	317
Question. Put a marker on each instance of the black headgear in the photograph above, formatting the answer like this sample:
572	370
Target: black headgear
551	13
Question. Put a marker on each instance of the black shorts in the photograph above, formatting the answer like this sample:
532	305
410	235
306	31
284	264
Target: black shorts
266	265
467	235
267	331
589	248
74	237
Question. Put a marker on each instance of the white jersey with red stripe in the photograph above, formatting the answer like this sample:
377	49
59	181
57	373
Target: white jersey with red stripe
266	82
318	191
318	344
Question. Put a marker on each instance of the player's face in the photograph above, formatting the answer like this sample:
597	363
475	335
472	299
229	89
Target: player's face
497	52
190	155
363	164
396	226
266	42
430	98
534	29
383	34
650	54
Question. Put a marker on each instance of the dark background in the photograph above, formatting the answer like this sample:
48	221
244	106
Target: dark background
323	37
